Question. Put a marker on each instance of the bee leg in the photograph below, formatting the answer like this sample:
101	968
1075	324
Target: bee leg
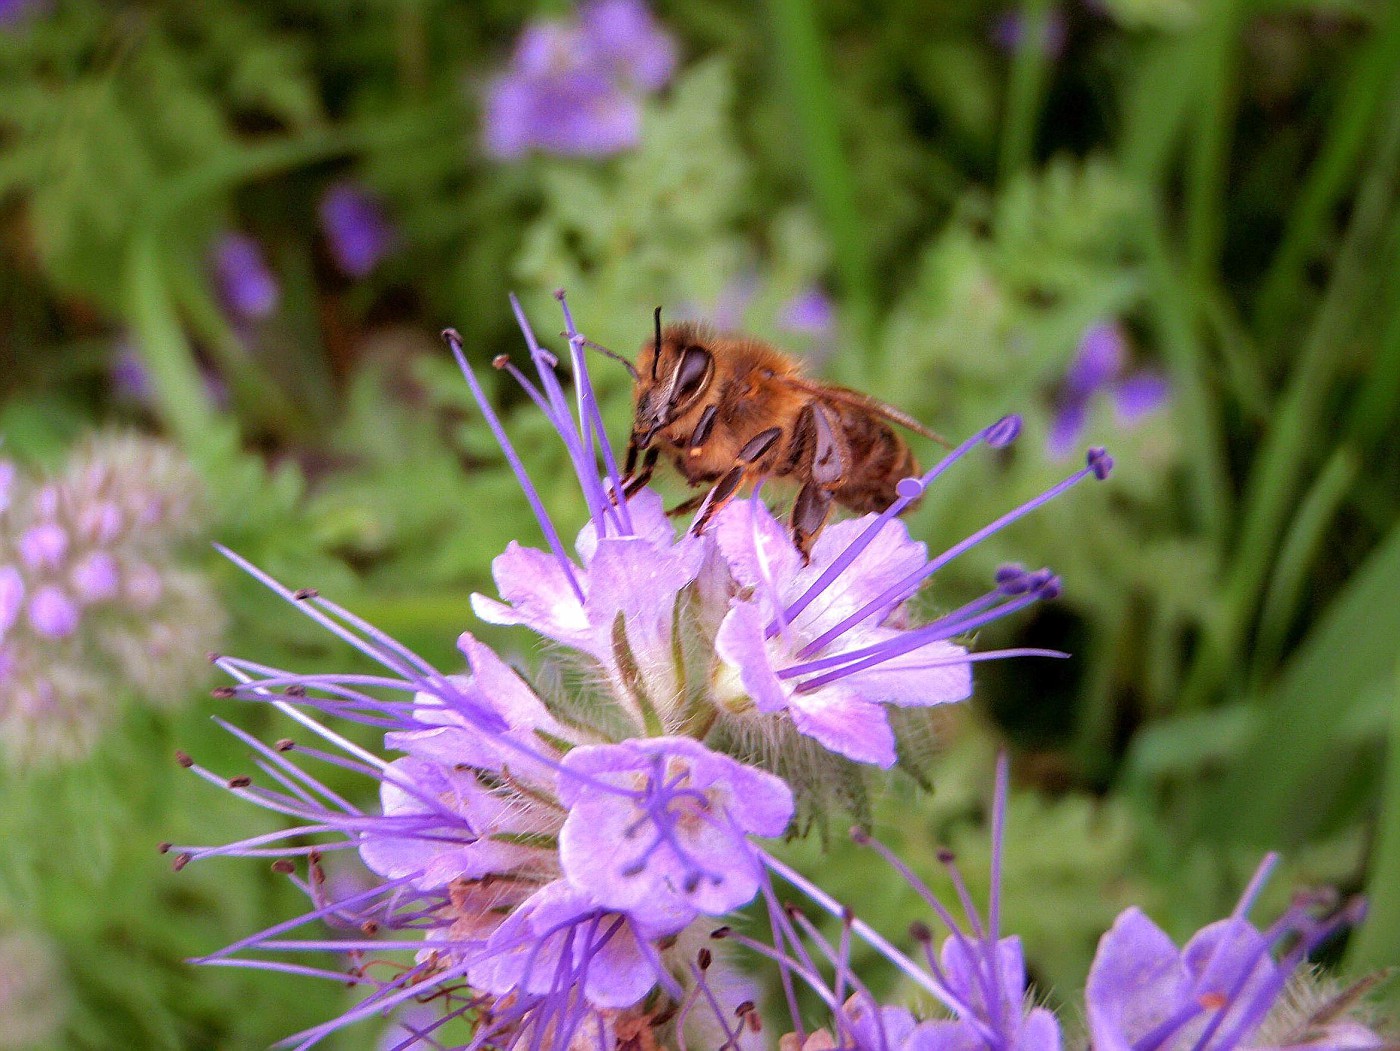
632	483
809	514
687	506
828	468
753	451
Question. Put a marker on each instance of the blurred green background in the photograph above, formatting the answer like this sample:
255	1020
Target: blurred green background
952	205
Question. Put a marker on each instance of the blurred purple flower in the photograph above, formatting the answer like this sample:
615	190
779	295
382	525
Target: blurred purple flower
1098	368
357	229
574	88
245	283
810	312
1012	31
14	13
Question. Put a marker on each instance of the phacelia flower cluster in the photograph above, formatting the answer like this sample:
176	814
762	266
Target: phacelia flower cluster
561	856
94	604
576	87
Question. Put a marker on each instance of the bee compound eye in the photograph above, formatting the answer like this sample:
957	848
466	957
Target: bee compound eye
692	374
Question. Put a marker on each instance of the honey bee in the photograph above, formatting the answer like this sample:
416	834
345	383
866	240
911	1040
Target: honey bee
731	410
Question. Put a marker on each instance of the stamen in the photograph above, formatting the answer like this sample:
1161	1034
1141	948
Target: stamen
909	489
521	475
590	417
1098	461
575	443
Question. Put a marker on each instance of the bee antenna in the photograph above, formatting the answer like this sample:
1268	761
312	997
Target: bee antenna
656	355
631	369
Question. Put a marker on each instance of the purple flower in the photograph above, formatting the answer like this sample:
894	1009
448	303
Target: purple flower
827	641
357	230
978	977
1098	368
1145	994
1011	32
574	88
810	312
658	828
246	284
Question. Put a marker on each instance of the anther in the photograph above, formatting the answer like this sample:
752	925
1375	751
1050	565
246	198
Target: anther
212	657
223	693
500	361
946	856
296	689
284	866
859	836
285	744
919	931
721	932
370	927
1004	431
704	958
183	759
164	846
241	781
1012	579
743	1009
1099	462
302	594
181	860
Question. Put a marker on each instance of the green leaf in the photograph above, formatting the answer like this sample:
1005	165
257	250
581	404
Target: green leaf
1265	796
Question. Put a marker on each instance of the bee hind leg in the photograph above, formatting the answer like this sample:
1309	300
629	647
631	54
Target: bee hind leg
828	469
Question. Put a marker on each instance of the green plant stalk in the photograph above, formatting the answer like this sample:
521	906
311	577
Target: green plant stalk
1175	311
1210	145
1351	118
1377	943
1372	414
801	63
1030	65
176	385
1286	444
1296	555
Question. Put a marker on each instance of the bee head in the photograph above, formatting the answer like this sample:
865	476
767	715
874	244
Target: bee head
680	373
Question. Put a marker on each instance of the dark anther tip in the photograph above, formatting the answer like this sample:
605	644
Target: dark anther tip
720	933
302	594
500	361
164	846
183	758
920	932
285	744
284	866
559	294
181	860
1099	462
859	836
296	689
1005	431
213	658
451	335
241	781
744	1008
223	693
946	856
370	927
704	958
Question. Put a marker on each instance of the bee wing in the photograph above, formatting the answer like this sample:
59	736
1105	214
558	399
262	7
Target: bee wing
874	406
